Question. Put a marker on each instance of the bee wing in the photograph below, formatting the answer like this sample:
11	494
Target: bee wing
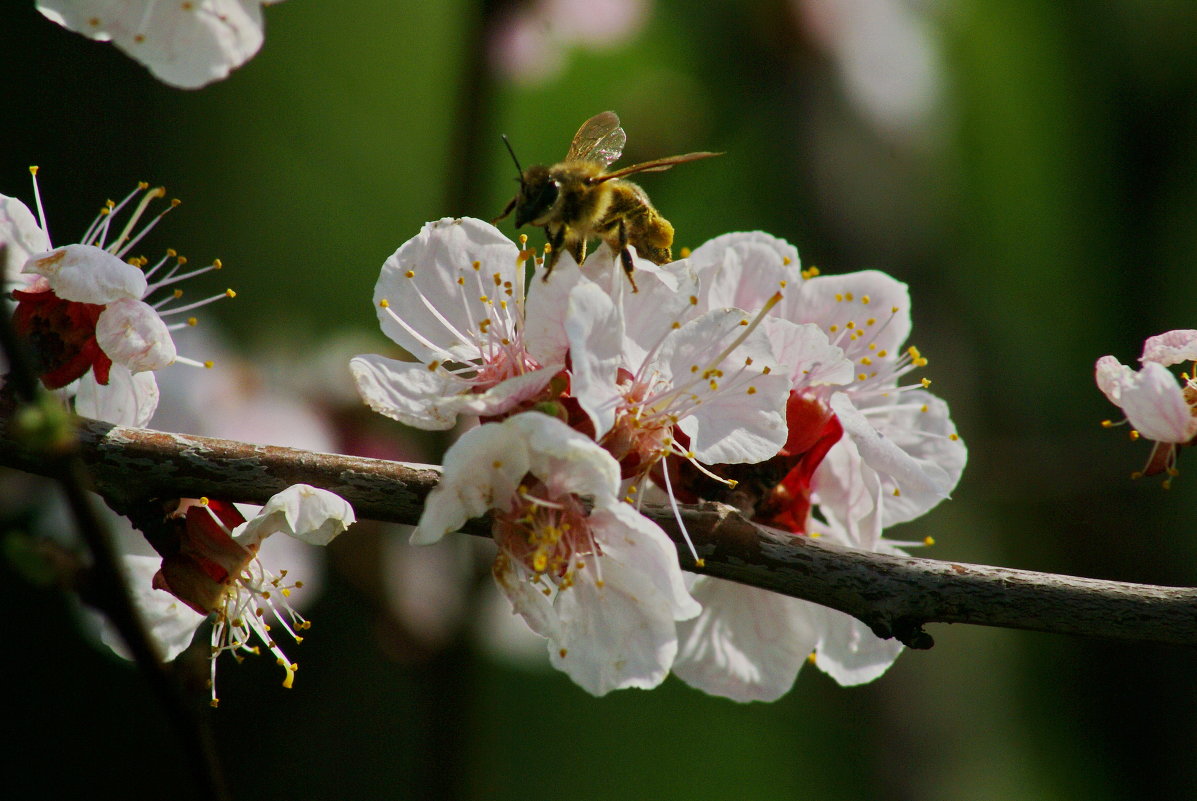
599	139
656	165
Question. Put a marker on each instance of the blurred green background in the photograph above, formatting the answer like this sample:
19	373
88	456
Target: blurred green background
1029	167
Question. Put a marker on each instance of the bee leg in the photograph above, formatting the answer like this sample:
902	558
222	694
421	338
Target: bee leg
506	211
578	251
556	242
625	255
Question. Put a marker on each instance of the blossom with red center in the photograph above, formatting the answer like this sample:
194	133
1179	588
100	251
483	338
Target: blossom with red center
83	310
1158	407
600	582
863	452
210	566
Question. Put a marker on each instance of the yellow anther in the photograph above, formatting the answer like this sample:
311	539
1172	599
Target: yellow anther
897	492
700	562
684	253
953	437
409	274
230	293
865	299
834	328
861	377
1107	423
191	321
477	265
1134	433
751	390
928	541
432	365
866	361
33	169
839	298
217	264
209	364
811	658
926	382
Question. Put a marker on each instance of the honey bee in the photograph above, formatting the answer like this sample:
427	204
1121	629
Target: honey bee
577	199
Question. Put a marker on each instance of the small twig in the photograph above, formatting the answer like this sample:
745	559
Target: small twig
896	596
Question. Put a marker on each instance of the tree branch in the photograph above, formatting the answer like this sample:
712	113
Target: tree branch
895	595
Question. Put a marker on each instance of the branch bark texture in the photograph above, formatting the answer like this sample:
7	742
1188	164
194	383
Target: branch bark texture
896	596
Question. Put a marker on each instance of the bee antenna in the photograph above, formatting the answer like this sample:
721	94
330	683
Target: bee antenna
518	168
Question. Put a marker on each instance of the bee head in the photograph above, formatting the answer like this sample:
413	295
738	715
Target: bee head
538	193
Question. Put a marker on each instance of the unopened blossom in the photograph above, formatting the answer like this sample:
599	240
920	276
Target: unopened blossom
600	582
83	307
1157	406
453	297
211	566
184	43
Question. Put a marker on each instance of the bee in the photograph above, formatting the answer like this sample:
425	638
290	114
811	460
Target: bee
577	199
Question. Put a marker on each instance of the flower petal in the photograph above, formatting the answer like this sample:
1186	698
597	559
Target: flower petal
839	303
310	514
910	474
613	636
1155	405
131	333
850	652
1171	347
743	270
21	236
423	275
739	415
630	538
168	621
594	327
432	399
87	274
128	399
187	45
748	644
